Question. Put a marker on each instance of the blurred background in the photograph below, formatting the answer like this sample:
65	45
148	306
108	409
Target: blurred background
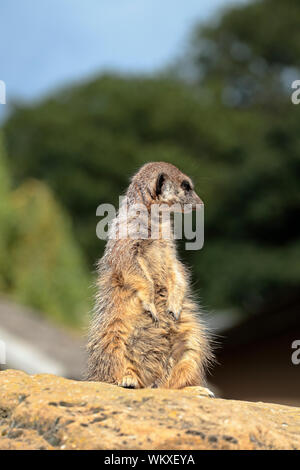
96	89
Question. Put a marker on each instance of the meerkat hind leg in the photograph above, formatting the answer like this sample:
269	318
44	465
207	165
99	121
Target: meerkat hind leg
188	368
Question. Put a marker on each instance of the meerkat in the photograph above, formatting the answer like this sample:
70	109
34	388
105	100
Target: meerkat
147	330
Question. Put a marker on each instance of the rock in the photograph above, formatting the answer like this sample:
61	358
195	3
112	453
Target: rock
49	412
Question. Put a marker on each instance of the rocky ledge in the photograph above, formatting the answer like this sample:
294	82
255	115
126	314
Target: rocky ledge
49	412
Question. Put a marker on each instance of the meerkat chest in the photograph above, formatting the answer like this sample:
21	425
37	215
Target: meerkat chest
160	260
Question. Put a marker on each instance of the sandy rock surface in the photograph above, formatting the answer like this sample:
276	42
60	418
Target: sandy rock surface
49	412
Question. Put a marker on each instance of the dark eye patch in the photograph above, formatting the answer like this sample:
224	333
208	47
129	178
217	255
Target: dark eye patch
159	182
186	185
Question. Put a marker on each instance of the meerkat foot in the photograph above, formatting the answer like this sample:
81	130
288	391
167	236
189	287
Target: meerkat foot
155	384
128	381
202	391
210	393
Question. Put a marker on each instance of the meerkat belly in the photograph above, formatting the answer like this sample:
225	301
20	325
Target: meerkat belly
150	344
149	348
159	264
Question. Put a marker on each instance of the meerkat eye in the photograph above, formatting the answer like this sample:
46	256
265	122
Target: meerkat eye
186	185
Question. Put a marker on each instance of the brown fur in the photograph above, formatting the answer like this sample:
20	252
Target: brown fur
146	330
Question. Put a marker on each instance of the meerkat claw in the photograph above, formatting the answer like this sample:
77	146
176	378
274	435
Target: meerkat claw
204	391
128	382
154	317
175	315
154	385
151	311
210	393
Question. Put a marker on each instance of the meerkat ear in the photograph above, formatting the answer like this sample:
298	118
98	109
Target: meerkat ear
159	183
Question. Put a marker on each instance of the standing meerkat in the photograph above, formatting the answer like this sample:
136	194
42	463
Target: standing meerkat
146	330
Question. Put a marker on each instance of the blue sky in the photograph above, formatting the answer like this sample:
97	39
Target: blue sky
46	43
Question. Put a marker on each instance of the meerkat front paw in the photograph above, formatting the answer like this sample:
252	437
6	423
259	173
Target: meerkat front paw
128	381
174	309
174	314
150	309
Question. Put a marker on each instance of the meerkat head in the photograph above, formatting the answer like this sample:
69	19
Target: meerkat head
163	183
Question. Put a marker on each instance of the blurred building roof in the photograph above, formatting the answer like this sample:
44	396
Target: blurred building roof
254	357
35	345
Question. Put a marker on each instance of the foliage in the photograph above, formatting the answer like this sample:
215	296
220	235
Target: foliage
6	220
48	270
40	263
232	128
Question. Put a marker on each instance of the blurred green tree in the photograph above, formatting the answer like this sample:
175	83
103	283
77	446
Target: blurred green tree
224	116
48	271
86	141
245	64
6	220
40	263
